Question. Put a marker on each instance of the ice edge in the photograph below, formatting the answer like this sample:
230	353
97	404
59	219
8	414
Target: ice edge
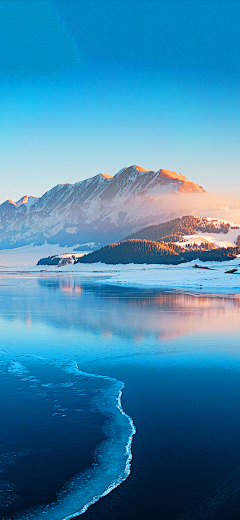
121	478
52	511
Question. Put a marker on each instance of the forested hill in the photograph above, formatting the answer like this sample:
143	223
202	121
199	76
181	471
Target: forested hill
150	252
174	230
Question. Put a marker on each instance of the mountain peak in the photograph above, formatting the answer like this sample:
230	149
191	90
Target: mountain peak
106	176
172	175
131	169
160	177
97	209
28	200
139	168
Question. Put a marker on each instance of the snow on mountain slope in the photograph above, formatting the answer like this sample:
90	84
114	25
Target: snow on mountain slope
27	201
228	239
219	239
190	230
103	208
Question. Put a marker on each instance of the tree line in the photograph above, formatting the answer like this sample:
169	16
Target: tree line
151	252
174	230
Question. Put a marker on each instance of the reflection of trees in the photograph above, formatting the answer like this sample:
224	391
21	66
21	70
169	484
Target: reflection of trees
70	303
166	299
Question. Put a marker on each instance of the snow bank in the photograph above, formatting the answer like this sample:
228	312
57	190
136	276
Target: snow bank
183	276
28	256
208	276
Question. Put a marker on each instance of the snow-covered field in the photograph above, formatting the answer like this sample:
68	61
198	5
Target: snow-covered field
183	276
228	239
218	239
27	256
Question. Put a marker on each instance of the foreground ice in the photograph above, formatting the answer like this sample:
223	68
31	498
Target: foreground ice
112	460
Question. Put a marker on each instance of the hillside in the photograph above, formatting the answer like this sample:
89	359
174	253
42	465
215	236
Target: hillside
150	252
102	209
189	229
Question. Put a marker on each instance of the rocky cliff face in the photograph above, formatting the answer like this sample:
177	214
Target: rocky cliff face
103	208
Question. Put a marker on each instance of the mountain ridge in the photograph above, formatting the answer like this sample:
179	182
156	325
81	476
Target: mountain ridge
102	208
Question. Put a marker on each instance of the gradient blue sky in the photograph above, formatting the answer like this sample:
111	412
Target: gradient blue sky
90	86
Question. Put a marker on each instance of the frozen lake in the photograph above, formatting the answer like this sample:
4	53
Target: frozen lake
69	348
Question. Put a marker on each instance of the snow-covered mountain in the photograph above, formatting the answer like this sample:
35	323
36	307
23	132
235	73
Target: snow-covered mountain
101	209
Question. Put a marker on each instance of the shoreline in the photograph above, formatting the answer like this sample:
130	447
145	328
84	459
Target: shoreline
192	276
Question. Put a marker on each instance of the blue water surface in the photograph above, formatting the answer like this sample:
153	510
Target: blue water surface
82	365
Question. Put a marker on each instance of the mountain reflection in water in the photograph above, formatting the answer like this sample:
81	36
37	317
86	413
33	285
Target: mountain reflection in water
140	314
177	354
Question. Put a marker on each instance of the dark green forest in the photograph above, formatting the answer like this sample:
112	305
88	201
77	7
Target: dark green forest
156	245
50	260
150	252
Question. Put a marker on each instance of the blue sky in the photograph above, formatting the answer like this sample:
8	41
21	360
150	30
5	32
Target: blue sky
92	86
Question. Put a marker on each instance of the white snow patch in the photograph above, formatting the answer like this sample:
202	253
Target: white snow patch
28	256
183	276
220	221
218	239
70	255
27	200
71	230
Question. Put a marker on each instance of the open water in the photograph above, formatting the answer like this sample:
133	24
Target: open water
117	403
